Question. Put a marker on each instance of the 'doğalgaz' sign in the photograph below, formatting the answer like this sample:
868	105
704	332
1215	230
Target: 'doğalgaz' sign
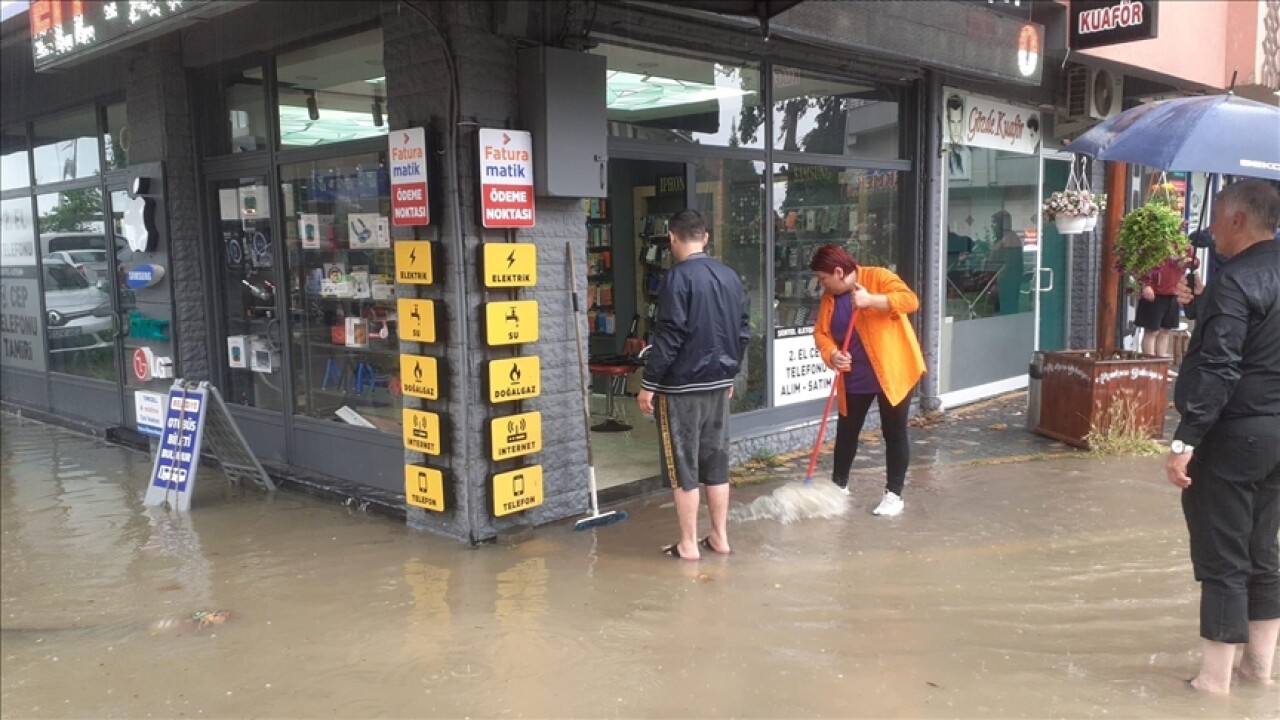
515	435
419	377
422	431
510	265
517	490
424	487
413	262
511	322
515	379
416	320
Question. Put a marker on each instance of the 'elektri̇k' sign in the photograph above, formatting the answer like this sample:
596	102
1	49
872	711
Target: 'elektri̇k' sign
506	178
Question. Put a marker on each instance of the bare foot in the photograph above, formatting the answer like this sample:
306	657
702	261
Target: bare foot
716	544
1251	673
1199	683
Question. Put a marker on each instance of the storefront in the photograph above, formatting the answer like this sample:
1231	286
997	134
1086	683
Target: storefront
264	132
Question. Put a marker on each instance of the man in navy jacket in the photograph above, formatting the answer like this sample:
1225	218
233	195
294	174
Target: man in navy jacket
695	353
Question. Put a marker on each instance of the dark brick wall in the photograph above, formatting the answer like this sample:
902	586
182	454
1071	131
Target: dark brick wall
418	79
162	129
1086	265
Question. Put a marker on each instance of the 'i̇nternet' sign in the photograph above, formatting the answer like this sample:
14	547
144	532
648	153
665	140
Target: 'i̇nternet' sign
1097	23
66	29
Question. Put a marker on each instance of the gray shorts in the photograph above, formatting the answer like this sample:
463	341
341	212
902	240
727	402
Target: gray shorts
693	438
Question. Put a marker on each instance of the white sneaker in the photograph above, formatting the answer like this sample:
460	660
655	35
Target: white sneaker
843	488
890	506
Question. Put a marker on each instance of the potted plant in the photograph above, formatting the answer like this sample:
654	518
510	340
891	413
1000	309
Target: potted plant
1150	236
1091	222
1080	387
1070	210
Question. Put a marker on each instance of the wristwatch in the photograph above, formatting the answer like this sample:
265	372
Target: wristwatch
1177	447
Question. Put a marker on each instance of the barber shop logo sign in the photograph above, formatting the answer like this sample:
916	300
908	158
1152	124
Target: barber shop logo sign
140	217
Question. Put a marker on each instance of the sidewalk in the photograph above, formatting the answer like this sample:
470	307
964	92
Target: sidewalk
989	432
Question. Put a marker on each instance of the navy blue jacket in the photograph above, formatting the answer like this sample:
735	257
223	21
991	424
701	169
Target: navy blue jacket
701	329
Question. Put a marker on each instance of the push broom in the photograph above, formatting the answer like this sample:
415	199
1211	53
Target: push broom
800	501
597	518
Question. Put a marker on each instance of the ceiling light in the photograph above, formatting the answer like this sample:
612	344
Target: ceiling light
630	92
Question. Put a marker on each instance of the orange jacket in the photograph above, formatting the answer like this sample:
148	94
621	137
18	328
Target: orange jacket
887	335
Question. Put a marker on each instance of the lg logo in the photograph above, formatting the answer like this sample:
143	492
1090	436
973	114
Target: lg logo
140	217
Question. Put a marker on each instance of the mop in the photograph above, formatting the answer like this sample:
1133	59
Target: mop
597	518
801	501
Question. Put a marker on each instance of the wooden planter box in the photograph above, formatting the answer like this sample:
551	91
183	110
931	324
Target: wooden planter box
1077	390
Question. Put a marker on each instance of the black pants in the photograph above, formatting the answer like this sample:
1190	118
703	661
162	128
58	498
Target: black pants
1233	515
893	426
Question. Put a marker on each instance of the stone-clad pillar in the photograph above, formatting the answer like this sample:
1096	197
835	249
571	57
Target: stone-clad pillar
418	91
161	128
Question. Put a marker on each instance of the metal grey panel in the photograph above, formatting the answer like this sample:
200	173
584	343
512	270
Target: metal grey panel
343	451
264	431
23	387
91	400
562	101
990	349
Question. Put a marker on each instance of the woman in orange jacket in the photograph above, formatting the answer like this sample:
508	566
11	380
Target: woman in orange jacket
883	362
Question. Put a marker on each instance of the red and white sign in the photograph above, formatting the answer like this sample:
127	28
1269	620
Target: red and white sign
142	359
506	178
410	203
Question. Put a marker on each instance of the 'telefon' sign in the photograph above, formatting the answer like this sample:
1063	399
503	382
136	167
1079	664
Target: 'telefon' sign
61	29
1097	23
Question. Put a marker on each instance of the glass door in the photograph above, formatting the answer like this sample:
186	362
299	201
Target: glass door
254	382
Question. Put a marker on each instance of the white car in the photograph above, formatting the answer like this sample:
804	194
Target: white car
91	263
77	313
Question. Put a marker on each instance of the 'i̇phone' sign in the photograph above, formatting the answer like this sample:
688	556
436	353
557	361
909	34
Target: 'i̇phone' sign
409	203
506	178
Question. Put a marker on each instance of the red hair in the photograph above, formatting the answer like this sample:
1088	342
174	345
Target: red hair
829	257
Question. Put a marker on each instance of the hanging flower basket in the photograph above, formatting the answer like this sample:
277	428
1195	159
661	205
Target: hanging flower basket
1149	236
1090	223
1070	224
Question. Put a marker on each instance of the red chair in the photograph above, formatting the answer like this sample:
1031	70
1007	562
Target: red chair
616	374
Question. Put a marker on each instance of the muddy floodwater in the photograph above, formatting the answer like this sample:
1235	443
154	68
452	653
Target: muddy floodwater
1038	589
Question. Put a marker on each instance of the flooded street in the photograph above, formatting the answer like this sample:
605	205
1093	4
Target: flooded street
1059	588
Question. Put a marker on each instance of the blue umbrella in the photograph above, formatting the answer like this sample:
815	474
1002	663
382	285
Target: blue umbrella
1214	134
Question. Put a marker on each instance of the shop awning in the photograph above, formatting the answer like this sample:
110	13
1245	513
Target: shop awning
762	10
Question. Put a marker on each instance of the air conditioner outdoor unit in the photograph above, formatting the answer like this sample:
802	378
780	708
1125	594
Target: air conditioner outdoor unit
1092	94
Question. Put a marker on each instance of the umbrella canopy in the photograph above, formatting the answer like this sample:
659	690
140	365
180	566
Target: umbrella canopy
1214	134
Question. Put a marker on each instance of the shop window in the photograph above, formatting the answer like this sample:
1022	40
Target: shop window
254	375
332	92
66	147
682	99
14	169
233	112
992	220
79	325
814	205
730	195
21	324
341	289
116	140
816	115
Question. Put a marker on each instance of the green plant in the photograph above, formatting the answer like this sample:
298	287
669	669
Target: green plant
766	458
1121	431
1149	236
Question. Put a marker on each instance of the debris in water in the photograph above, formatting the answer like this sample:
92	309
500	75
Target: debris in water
196	621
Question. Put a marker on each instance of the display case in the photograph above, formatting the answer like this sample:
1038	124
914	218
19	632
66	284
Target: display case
342	290
601	311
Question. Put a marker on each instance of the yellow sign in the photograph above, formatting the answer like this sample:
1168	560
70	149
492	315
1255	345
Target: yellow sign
422	431
418	376
517	490
417	320
424	487
515	435
515	379
511	322
510	265
413	262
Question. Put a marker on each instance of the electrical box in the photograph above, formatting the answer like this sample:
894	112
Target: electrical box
562	99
